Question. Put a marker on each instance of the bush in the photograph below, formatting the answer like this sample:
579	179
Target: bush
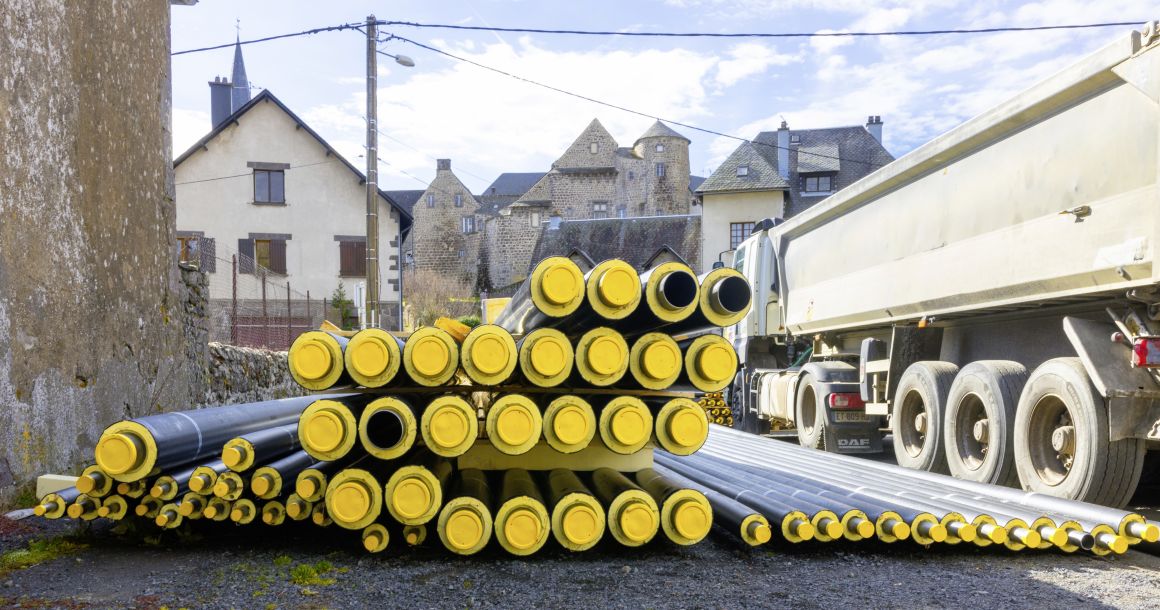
429	295
471	321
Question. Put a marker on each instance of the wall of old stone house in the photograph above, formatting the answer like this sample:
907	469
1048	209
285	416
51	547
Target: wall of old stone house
439	243
668	194
91	310
508	242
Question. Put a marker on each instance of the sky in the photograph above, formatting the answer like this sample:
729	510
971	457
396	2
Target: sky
487	123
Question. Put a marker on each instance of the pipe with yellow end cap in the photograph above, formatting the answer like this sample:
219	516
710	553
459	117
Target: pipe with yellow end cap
131	450
546	357
84	507
654	361
569	423
373	358
724	298
271	480
554	290
297	508
990	532
670	292
204	477
311	483
465	524
489	355
522	523
134	490
612	291
1020	535
328	428
230	486
273	513
578	519
632	514
1049	535
94	483
926	529
746	523
1136	529
149	507
168	486
601	357
431	357
316	360
387	428
242	453
449	426
856	525
1077	538
686	515
625	424
415	491
216	509
354	498
514	424
710	363
319	515
375	538
54	505
244	511
1107	541
192	505
958	529
113	507
414	535
681	426
168	516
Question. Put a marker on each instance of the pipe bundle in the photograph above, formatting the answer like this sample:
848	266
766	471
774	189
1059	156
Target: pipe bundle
540	426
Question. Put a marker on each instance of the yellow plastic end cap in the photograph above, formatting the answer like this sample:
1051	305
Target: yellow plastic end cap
232	456
490	354
372	541
430	356
581	524
162	519
999	535
262	484
411	498
449	427
350	501
900	530
865	528
185	509
117	453
464	529
717	362
1151	533
369	357
522	529
74	511
561	283
693	522
549	355
688	427
605	355
938	533
306	487
637	522
629	426
805	530
661	360
762	533
86	483
103	511
411	536
312	359
40	510
1119	545
1032	539
323	430
570	425
618	286
833	529
969	533
515	425
1059	537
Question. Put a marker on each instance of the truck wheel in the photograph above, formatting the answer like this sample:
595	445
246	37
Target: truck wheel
810	416
1061	439
741	416
919	405
980	422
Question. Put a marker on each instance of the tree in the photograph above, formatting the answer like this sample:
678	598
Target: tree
343	305
429	295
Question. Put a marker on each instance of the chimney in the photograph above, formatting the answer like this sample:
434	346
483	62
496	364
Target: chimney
220	105
783	150
442	164
874	126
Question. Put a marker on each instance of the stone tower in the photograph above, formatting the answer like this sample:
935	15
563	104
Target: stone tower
666	156
446	233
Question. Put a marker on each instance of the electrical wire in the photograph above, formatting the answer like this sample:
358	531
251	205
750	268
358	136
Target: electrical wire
331	28
249	173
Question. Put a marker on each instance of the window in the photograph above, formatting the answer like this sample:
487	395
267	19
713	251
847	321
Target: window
467	224
742	171
660	170
269	186
458	200
430	201
622	211
816	184
352	257
795	139
463	254
738	232
600	209
262	252
534	220
187	251
660	148
631	175
593	148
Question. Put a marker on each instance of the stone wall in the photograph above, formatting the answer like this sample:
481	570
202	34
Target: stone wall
243	374
509	240
437	236
90	306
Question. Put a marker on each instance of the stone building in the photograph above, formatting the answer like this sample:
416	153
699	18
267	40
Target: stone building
446	234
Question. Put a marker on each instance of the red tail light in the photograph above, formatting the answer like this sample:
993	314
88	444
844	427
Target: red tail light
846	401
1146	352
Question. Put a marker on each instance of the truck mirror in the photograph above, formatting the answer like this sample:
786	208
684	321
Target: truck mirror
718	265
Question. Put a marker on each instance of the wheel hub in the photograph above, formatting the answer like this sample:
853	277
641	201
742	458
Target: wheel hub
979	431
920	422
1063	440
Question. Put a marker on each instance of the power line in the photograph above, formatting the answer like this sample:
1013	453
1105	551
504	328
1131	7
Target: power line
1038	28
331	28
250	173
423	152
630	110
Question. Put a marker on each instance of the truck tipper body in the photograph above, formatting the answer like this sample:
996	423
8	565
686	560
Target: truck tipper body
990	298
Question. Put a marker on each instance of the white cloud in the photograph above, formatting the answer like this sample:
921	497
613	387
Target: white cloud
189	126
748	59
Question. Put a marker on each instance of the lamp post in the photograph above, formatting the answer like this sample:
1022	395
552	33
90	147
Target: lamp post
372	267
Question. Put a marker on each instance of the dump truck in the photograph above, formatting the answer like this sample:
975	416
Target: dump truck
991	299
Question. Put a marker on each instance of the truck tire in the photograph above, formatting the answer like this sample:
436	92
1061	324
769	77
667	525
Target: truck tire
979	426
742	418
810	416
1062	446
919	406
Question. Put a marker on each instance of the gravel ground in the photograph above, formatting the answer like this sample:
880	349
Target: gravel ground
228	567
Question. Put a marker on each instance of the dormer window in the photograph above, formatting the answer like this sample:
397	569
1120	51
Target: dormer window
742	171
593	148
795	139
816	184
660	148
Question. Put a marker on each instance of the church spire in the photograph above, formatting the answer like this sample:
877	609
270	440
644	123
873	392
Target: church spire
241	85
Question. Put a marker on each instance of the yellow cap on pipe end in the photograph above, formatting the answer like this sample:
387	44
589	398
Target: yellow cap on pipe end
891	528
691	519
514	424
682	427
710	363
827	528
633	517
430	356
113	507
41	509
273	513
243	511
310	484
354	499
319	516
625	425
1107	541
327	430
262	484
125	451
1133	526
297	508
926	529
655	361
199	483
578	521
795	528
315	360
569	424
168	517
546	357
522	525
1020	535
449	426
856	526
414	535
557	286
375	538
464	525
489	354
755	530
602	356
414	495
372	357
613	289
1150	533
93	482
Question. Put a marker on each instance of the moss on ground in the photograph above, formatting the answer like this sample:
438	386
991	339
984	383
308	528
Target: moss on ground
305	574
38	551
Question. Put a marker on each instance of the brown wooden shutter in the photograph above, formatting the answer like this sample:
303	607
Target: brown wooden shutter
245	256
207	247
360	258
352	258
278	256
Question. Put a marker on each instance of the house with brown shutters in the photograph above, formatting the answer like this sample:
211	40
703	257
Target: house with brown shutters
264	186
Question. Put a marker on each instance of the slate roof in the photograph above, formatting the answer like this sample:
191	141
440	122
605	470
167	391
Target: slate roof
660	130
819	159
406	199
695	182
634	240
762	174
506	190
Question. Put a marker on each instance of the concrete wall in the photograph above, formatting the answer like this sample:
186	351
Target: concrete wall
721	210
324	199
90	312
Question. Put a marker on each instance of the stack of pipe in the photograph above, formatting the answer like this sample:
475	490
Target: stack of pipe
539	426
810	495
717	409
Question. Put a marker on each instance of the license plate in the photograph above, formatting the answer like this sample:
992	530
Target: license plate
851	417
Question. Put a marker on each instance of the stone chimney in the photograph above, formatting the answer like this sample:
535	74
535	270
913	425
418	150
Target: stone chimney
783	150
220	100
442	164
874	126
